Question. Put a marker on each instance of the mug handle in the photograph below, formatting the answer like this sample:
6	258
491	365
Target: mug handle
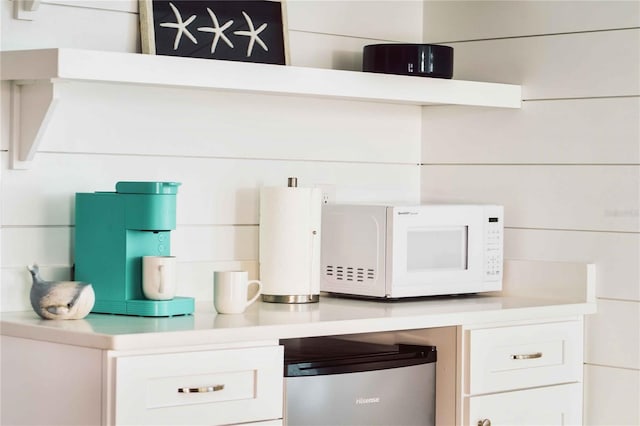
161	276
255	297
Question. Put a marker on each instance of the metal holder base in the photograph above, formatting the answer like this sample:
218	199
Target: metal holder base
296	298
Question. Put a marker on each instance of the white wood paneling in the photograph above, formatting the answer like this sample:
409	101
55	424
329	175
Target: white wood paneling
14	291
53	245
196	278
329	51
359	18
60	25
223	124
614	254
550	280
215	243
611	396
446	21
556	66
587	131
612	327
213	191
43	245
603	198
5	105
130	6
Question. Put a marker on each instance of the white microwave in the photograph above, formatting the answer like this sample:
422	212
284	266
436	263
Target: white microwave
411	251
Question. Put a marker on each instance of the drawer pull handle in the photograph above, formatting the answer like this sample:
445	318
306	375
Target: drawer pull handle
527	356
484	422
203	389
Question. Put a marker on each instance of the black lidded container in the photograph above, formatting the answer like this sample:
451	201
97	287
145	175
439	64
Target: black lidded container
423	60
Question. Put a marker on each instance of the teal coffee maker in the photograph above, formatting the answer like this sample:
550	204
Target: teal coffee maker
113	231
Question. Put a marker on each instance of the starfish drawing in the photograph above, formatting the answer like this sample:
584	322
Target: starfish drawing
217	30
181	26
252	34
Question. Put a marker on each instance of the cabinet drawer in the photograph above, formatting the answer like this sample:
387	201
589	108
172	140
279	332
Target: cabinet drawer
207	387
549	406
524	356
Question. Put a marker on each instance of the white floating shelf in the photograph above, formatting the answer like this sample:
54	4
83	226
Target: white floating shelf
34	103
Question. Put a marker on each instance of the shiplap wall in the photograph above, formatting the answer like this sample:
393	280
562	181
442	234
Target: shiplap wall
222	146
566	166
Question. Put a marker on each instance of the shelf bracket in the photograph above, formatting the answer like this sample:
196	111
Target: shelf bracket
25	10
32	105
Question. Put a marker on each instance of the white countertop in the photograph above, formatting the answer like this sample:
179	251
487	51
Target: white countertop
266	321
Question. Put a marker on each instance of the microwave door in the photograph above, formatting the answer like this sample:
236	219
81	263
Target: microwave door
439	259
437	249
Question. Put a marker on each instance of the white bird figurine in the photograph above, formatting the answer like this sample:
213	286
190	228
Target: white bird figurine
60	299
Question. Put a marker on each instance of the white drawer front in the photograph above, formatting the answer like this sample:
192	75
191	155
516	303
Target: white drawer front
524	356
549	406
236	385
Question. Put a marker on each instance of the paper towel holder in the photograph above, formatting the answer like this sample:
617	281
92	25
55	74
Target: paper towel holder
290	293
291	298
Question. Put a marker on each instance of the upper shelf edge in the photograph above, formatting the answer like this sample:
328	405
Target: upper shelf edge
134	68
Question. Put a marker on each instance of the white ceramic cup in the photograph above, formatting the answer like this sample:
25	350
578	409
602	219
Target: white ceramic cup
231	291
159	277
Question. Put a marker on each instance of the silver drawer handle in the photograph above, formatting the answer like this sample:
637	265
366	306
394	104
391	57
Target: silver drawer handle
527	356
484	422
203	389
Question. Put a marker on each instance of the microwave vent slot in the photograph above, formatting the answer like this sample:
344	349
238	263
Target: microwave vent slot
350	273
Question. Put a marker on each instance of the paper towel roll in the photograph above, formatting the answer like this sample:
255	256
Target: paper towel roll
290	219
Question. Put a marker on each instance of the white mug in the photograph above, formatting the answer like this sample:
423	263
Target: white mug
231	289
159	277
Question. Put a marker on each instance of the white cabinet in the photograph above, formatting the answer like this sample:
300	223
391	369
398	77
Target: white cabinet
51	383
523	374
203	387
507	359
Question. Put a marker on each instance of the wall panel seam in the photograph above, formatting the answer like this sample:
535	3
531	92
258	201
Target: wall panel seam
233	158
580	98
179	225
524	228
536	35
320	33
611	299
632	370
534	164
99	6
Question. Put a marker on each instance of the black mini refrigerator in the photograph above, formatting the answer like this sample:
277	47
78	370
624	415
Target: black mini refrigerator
335	382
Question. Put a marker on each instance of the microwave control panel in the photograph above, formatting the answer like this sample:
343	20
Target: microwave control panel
493	262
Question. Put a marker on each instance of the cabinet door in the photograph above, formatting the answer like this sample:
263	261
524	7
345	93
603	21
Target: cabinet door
549	406
203	387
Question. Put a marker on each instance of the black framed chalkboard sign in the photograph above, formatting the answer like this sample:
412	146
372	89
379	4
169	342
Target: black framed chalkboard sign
235	30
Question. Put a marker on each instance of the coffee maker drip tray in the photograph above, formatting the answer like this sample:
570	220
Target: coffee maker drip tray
146	308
